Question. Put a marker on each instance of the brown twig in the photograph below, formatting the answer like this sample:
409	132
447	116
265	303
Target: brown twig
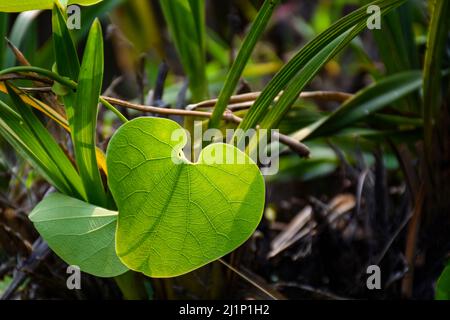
293	144
28	76
17	53
411	242
246	100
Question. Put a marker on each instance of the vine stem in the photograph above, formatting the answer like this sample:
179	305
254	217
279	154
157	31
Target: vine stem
247	99
293	144
237	102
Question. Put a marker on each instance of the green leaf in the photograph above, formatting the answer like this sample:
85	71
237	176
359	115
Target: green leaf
20	136
79	233
85	115
184	19
312	67
4	19
432	85
366	102
25	5
67	62
176	216
443	285
398	50
238	66
63	164
19	32
283	78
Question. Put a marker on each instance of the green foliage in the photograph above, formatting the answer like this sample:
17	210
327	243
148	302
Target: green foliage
436	44
291	72
80	233
312	67
67	62
185	19
20	33
4	19
85	116
38	147
65	168
25	5
176	217
366	102
239	64
443	285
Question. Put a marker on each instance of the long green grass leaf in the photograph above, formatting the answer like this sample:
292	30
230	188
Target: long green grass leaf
61	161
67	62
85	115
22	139
4	18
432	87
244	53
397	48
366	102
188	38
275	114
288	72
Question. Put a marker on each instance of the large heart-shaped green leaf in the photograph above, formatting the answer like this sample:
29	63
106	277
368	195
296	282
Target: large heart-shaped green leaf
176	216
25	5
80	233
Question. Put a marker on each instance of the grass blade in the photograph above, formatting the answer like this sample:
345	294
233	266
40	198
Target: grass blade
4	18
85	115
397	48
284	76
366	102
241	60
42	107
275	114
61	161
189	41
20	136
67	62
432	86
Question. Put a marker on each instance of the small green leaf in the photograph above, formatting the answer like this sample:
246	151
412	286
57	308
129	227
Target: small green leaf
176	216
79	233
25	5
85	115
443	285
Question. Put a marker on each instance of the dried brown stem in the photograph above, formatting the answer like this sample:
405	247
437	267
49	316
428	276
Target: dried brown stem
246	100
293	144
